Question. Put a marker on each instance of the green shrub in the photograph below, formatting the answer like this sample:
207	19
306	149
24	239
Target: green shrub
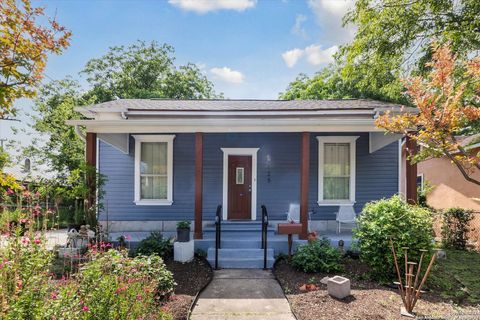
408	225
155	243
317	256
455	228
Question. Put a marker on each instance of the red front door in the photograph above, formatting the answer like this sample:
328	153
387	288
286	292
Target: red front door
239	187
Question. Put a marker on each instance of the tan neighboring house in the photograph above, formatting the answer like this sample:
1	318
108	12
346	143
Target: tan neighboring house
449	187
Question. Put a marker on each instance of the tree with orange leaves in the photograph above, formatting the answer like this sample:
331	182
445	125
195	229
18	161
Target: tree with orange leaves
447	100
24	48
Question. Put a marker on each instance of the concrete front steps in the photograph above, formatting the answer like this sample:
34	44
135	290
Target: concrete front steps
240	258
241	245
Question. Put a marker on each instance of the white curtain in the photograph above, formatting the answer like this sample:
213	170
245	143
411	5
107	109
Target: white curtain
153	170
336	171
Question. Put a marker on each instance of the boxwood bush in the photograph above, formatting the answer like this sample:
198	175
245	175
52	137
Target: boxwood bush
155	243
317	256
409	226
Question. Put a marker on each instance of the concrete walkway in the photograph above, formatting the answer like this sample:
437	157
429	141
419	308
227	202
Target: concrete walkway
249	294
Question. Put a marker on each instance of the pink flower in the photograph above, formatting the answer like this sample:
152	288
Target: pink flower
25	241
36	210
37	194
37	241
85	309
26	194
10	192
120	290
54	296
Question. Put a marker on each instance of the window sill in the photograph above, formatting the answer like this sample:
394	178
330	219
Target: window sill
153	202
335	203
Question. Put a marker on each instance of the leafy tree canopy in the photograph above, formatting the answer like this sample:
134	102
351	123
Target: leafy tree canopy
24	48
145	70
393	40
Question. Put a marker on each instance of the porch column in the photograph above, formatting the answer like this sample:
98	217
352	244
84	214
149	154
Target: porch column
304	182
411	171
91	159
198	232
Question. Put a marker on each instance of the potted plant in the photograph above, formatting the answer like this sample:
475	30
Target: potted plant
183	231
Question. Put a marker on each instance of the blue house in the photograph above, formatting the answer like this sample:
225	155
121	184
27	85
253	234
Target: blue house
172	160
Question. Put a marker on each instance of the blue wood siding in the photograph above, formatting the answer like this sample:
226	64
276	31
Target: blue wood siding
119	171
278	175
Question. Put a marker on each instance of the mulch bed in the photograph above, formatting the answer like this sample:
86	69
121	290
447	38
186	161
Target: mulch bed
190	277
369	300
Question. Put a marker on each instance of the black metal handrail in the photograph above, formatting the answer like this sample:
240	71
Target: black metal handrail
264	235
218	233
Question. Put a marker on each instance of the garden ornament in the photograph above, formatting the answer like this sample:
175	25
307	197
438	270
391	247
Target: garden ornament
411	289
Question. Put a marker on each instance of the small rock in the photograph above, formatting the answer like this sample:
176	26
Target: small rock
324	280
303	288
441	254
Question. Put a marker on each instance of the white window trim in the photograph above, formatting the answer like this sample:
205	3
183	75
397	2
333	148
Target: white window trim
422	183
154	138
239	152
336	139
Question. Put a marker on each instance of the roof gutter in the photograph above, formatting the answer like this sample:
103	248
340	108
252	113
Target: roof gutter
248	113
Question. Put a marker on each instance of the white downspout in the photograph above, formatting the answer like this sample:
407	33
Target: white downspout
80	133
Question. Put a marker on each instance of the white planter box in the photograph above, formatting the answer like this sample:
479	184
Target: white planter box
338	287
183	251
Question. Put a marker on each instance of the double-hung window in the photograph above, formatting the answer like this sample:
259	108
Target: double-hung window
154	169
336	170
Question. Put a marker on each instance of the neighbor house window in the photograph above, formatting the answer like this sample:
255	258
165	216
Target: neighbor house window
420	182
154	169
336	170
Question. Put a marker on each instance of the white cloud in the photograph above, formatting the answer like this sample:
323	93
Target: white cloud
329	14
228	75
291	57
313	53
298	28
204	6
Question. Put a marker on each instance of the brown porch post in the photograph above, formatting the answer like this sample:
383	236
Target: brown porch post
304	182
91	159
198	232
91	149
411	171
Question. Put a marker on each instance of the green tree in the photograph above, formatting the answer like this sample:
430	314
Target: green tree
144	70
325	84
393	41
395	37
59	146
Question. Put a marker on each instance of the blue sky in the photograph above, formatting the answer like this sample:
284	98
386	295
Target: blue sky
248	48
241	40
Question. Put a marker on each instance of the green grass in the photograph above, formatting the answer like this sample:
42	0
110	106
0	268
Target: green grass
457	278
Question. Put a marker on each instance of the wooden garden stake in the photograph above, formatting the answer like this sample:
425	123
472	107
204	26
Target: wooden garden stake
410	292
